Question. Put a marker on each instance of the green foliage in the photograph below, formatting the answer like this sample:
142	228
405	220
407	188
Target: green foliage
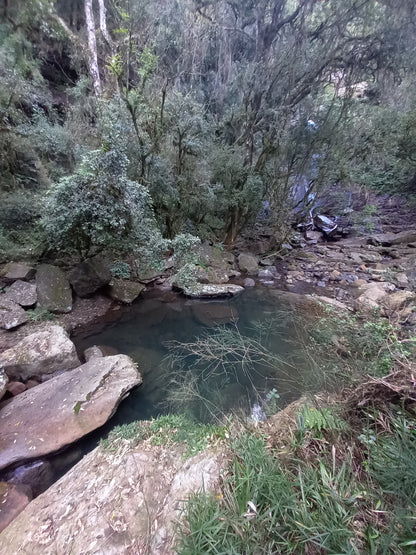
40	315
98	207
121	270
345	348
319	419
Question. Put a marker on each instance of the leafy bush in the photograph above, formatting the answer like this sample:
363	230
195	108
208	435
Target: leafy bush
98	207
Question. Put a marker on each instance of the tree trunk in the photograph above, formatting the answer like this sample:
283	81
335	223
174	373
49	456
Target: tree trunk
103	24
92	44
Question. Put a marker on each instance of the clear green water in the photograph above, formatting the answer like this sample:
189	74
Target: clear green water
230	382
270	357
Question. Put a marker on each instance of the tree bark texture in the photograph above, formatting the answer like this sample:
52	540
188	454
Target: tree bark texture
92	44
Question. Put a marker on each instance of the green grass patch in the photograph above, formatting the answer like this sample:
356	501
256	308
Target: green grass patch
169	430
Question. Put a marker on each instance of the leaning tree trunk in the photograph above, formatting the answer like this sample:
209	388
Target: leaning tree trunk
92	44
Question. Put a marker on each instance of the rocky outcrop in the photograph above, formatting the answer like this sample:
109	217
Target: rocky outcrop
43	352
398	300
114	503
11	314
248	263
54	292
38	475
389	239
22	293
17	270
13	499
46	418
125	291
90	275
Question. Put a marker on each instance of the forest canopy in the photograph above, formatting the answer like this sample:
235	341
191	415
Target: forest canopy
185	116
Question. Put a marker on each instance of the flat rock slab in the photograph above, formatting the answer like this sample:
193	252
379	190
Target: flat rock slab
388	239
43	352
114	503
11	314
13	499
60	411
54	291
211	290
22	293
17	270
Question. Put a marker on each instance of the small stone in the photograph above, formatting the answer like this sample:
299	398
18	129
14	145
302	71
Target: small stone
359	283
335	275
321	284
15	388
249	282
315	236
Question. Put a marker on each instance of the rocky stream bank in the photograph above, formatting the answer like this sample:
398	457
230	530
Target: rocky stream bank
127	501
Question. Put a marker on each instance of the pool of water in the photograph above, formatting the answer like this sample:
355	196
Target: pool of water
206	357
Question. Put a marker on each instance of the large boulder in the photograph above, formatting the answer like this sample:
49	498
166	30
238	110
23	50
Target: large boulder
17	270
216	264
11	314
43	352
60	411
54	292
248	263
90	275
22	293
125	291
128	500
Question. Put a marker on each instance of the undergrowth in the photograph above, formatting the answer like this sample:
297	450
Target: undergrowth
334	490
345	480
